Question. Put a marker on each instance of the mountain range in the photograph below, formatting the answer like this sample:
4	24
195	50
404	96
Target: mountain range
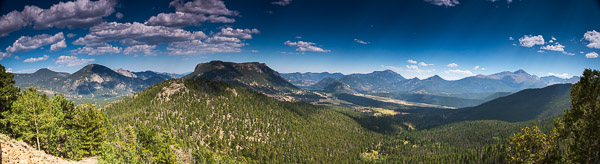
389	81
93	81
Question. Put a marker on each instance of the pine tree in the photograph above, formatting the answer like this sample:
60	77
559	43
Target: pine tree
579	128
90	130
30	118
8	93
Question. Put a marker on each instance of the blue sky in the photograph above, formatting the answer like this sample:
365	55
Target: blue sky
416	38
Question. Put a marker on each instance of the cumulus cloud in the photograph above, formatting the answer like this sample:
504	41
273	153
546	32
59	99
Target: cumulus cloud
530	40
58	45
361	41
447	3
238	33
140	49
458	71
593	37
411	61
591	55
181	42
511	38
282	2
193	13
305	46
213	45
416	69
556	47
71	14
98	50
452	65
9	70
564	75
70	61
11	22
476	67
4	55
181	19
424	64
26	43
135	34
33	60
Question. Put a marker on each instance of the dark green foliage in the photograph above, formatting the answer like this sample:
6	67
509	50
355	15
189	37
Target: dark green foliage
524	105
55	125
8	92
578	131
574	138
155	146
233	123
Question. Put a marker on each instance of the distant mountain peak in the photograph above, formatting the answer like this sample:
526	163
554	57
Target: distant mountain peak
44	70
435	77
520	71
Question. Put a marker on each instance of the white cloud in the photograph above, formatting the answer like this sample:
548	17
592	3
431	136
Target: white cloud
238	33
477	67
556	47
213	45
411	61
593	37
282	2
211	7
511	38
564	75
119	15
193	13
33	60
452	65
98	50
71	14
11	22
9	70
26	43
4	55
447	3
305	46
568	53
136	33
360	41
458	71
70	61
58	45
139	49
483	68
181	19
530	40
591	55
416	69
424	64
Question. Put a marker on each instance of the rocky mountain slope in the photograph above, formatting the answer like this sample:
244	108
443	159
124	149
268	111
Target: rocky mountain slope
253	75
14	151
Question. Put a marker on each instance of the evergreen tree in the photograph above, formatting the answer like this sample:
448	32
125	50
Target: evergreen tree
89	130
31	118
578	130
8	93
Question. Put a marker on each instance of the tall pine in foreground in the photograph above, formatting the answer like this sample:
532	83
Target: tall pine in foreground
578	131
30	118
8	93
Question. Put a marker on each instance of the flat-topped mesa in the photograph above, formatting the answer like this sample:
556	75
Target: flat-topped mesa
252	75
